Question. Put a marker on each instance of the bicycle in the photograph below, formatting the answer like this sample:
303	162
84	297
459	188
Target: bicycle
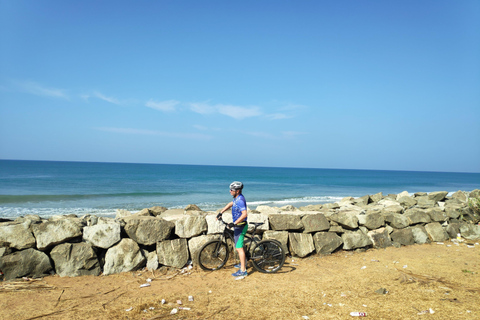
267	255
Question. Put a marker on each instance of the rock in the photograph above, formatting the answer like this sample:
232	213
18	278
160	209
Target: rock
436	232
122	214
420	235
388	203
25	263
123	257
452	230
407	202
351	209
213	225
376	197
371	221
315	223
312	207
192	207
157	210
172	214
148	230
468	231
393	209
381	291
143	213
420	194
416	216
152	260
196	243
474	194
280	222
326	242
460	195
266	210
288	208
355	239
190	226
397	221
425	202
51	233
281	236
75	259
301	244
346	220
453	212
18	235
102	235
401	195
380	238
437	195
328	206
403	236
173	253
436	214
362	200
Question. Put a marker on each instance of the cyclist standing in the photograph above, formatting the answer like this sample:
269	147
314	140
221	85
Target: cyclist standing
239	217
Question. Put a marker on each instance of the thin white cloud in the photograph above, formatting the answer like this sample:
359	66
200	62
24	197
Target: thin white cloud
292	134
103	97
167	106
40	90
182	135
277	116
236	112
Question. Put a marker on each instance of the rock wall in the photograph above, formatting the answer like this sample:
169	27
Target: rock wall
89	245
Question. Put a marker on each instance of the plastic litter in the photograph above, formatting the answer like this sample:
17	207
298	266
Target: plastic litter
163	301
240	278
129	309
427	311
149	280
364	267
174	311
405	266
190	298
145	285
179	301
358	314
183	308
305	317
440	243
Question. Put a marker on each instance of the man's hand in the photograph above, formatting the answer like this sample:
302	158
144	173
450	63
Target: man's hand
219	216
231	225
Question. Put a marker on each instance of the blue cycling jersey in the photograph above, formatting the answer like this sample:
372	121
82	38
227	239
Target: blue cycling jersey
239	204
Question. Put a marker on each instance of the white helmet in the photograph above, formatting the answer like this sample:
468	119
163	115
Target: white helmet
236	185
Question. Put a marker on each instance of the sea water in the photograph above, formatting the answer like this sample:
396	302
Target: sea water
50	188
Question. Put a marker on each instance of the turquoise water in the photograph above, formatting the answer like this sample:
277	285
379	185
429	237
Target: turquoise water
50	188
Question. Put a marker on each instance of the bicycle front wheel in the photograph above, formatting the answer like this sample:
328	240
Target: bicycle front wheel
268	256
213	255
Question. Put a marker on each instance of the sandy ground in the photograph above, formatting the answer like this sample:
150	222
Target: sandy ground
441	277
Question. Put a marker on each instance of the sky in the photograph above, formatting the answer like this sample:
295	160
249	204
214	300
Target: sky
383	85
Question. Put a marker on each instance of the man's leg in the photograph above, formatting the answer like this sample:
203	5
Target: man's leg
241	256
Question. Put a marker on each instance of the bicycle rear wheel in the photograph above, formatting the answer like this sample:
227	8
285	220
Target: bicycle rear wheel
268	256
213	255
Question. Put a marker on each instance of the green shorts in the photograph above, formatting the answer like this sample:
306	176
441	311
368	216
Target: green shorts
239	235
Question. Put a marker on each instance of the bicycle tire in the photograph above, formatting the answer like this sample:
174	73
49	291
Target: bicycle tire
213	255
268	256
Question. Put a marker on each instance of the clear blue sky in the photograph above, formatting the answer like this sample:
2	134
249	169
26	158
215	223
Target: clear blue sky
389	85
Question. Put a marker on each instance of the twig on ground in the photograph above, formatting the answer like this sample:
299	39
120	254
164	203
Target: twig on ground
52	313
407	276
58	300
121	294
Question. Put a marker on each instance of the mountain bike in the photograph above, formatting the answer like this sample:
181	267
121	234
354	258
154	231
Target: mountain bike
267	255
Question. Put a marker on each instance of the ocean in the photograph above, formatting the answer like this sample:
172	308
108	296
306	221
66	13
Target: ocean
49	188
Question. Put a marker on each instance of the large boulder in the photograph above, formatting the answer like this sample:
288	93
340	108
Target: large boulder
190	226
396	220
403	236
102	235
258	218
468	231
173	253
17	235
407	202
436	232
416	216
326	242
280	236
123	257
213	225
51	233
25	263
148	230
355	239
315	223
371	220
196	243
301	244
453	211
157	210
437	195
152	260
420	234
436	214
380	238
425	202
474	194
75	259
376	197
460	195
346	220
285	222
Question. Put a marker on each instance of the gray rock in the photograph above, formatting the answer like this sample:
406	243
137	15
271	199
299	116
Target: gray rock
436	214
420	234
196	243
281	222
17	235
311	207
315	223
25	263
363	200
152	260
407	202
436	232
190	226
143	213
425	202
192	207
474	194
393	209
397	221
345	220
460	195
51	233
403	236
120	214
452	229
376	197
301	244
258	218
326	242
281	236
156	211
453	212
102	235
328	206
355	239
468	231
75	259
123	257
437	195
419	194
213	225
172	214
401	195
380	238
416	216
173	253
148	230
371	221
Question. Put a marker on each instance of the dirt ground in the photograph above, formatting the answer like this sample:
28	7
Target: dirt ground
443	278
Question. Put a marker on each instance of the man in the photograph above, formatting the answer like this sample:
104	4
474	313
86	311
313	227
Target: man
239	217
